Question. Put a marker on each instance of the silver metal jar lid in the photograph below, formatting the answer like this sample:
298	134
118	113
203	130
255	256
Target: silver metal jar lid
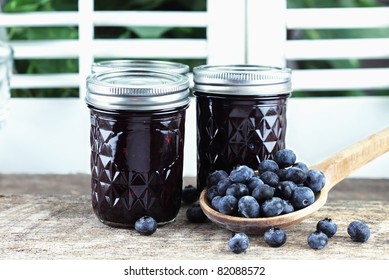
159	65
138	90
242	80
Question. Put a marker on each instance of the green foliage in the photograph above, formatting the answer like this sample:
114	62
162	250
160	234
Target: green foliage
336	34
41	66
71	32
71	65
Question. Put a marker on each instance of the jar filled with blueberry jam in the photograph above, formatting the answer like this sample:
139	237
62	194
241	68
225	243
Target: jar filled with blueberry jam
137	139
241	115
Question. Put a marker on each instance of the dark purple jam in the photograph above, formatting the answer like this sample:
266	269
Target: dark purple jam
236	130
241	115
136	165
137	144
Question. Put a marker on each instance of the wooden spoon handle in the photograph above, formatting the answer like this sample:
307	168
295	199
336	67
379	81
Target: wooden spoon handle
346	161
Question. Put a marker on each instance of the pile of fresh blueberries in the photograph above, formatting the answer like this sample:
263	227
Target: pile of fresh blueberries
281	186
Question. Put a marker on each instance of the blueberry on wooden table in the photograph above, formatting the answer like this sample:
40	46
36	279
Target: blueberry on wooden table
238	243
359	231
195	214
146	225
317	240
189	194
327	226
275	237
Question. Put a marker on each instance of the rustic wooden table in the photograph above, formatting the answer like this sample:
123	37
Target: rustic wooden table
50	217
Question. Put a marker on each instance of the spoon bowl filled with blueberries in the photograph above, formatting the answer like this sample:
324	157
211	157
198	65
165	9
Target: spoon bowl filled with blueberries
282	191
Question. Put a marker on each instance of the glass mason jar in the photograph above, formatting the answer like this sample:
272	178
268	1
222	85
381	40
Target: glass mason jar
137	139
241	115
6	65
159	65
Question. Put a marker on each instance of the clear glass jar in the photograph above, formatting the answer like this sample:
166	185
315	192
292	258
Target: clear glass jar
159	65
137	139
241	115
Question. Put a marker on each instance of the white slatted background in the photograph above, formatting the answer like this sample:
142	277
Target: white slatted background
52	135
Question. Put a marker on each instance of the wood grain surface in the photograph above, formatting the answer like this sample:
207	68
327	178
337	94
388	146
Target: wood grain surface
36	226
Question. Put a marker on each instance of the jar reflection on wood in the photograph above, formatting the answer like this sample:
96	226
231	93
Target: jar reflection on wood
137	140
241	115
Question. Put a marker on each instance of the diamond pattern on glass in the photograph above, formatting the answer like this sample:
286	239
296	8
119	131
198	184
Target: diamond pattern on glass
244	132
136	167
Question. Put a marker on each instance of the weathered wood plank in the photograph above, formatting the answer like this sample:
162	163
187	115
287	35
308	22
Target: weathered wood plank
65	227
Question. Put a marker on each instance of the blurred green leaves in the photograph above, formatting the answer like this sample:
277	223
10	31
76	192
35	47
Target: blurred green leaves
43	66
319	34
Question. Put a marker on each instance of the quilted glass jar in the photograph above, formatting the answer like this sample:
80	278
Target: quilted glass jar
137	139
241	115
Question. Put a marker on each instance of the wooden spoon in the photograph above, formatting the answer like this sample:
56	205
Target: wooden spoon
335	168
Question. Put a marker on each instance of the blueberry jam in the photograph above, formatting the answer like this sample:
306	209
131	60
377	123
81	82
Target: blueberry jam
137	143
136	165
241	116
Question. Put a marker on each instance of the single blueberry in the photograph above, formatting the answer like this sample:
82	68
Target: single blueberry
285	189
248	207
275	237
358	231
263	192
272	207
268	165
315	180
317	240
253	183
238	190
222	185
287	207
146	225
211	193
214	177
327	226
301	165
228	205
241	174
296	175
195	214
189	194
302	197
270	178
215	202
285	158
238	243
281	174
